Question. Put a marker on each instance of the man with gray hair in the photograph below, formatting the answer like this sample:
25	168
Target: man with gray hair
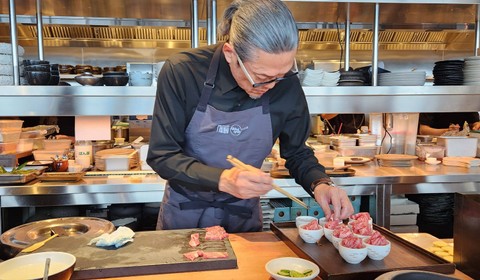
235	98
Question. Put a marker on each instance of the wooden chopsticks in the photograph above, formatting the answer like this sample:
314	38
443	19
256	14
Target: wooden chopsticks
237	163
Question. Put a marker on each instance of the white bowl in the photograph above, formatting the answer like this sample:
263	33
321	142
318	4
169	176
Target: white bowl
290	263
352	256
377	252
309	235
303	220
322	221
32	266
336	241
328	233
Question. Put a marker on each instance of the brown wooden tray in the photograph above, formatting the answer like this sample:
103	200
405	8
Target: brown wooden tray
403	255
62	176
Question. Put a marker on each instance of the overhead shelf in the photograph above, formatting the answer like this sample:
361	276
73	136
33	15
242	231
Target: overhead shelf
393	1
126	100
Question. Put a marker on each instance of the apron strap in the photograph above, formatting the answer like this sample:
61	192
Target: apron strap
209	83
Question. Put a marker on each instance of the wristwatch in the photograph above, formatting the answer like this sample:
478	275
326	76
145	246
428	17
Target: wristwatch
326	181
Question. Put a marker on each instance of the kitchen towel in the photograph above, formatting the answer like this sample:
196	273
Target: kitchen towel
117	238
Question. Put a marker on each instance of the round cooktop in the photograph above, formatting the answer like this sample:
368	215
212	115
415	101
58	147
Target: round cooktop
24	235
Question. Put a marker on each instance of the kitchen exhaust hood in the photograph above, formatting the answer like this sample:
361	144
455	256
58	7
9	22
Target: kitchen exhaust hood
166	24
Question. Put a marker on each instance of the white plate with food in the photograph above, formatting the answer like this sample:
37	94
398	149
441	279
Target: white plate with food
355	160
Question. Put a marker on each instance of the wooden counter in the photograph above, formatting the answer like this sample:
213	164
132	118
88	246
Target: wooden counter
253	251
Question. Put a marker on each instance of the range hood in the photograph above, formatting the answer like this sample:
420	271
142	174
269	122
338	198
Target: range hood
166	24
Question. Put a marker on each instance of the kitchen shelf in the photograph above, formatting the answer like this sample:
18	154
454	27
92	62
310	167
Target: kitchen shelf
393	1
107	101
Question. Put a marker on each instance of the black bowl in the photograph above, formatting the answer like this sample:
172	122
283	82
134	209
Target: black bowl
38	67
54	80
115	80
115	73
87	79
34	62
37	77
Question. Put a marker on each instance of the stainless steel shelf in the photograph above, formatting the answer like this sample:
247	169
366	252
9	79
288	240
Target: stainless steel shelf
107	101
393	1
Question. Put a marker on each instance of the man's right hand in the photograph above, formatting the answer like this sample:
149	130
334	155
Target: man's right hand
245	184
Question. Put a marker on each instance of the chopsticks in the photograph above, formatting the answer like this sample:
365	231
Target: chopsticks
237	163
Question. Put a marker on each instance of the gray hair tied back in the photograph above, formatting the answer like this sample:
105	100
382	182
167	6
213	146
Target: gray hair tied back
267	25
223	28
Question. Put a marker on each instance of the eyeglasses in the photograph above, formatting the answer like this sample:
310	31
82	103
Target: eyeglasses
291	73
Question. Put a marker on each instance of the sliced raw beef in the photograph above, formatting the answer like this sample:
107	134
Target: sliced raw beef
214	255
215	233
192	255
205	255
194	239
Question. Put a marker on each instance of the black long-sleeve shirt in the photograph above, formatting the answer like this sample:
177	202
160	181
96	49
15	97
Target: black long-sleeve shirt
179	87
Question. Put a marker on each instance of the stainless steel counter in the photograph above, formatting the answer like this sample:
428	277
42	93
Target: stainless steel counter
370	179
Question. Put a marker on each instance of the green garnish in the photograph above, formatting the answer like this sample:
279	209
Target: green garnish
294	273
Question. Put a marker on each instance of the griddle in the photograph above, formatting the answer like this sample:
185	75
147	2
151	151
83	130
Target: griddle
151	252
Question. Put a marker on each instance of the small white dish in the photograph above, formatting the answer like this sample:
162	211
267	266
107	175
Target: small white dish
309	235
352	256
328	233
377	252
290	263
432	161
303	220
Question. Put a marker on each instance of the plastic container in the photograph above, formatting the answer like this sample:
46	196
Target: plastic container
117	162
25	145
456	146
9	136
57	144
434	151
10	125
8	148
84	149
48	154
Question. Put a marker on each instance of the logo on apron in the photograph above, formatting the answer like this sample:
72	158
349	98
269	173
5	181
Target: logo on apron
235	129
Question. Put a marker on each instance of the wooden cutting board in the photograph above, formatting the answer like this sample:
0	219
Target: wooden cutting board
151	252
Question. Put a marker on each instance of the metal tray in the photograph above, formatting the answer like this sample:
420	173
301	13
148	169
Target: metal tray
403	255
21	178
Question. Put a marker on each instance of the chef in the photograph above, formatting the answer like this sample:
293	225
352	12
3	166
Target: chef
440	123
234	98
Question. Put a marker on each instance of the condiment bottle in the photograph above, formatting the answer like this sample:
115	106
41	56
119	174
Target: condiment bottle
83	153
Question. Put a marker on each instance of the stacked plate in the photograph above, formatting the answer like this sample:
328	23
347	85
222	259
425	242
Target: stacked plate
6	64
412	78
312	78
351	78
471	71
448	72
330	79
395	160
368	140
342	141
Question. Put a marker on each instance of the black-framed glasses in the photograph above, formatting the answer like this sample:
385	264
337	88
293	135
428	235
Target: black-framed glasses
290	74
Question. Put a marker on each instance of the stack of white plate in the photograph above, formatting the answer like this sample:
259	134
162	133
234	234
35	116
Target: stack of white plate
471	71
312	78
368	140
6	64
330	79
342	141
412	78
